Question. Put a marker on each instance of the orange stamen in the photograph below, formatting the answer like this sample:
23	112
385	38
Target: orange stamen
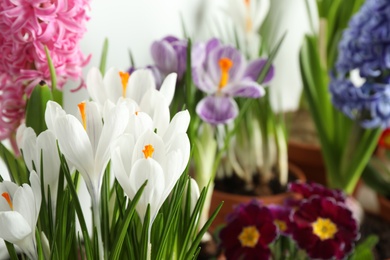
125	78
247	2
82	106
7	197
148	151
225	65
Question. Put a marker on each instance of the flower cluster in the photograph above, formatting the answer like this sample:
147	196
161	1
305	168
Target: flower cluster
360	88
320	224
26	27
124	123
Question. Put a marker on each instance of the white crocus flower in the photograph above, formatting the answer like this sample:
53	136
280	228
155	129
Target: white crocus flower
117	84
248	16
33	147
138	89
160	160
87	144
19	210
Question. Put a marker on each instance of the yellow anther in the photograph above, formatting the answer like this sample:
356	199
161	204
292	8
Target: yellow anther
249	236
225	65
125	78
324	228
282	226
83	114
7	197
148	151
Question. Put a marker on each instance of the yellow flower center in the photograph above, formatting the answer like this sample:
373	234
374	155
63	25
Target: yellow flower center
125	78
148	151
324	228
282	226
249	236
83	114
7	197
225	65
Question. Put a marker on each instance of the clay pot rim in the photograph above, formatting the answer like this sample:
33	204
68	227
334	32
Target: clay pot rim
295	170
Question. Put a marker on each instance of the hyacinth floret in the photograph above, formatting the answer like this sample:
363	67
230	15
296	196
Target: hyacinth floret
26	26
365	49
365	44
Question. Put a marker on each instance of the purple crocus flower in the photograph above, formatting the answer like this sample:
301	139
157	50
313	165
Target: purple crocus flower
222	72
170	55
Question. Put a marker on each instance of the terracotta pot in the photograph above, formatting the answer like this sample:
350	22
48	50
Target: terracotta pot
309	159
384	207
231	200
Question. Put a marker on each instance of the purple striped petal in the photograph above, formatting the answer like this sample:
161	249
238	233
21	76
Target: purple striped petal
238	68
217	110
203	81
254	69
164	56
247	88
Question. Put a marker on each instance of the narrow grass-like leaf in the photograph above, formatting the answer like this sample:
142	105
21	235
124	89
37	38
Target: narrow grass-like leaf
117	245
103	57
11	250
52	70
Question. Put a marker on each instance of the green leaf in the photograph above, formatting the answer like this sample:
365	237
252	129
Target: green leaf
117	245
36	106
11	250
103	57
363	251
53	77
15	166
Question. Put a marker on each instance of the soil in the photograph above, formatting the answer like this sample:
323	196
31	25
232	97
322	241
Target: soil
236	185
375	225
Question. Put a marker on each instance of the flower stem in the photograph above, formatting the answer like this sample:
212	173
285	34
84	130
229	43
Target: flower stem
96	221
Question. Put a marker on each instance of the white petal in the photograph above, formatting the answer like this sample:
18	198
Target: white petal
29	148
172	171
168	87
139	123
19	135
259	12
10	188
148	169
150	138
139	83
75	145
114	125
195	193
113	84
95	86
53	110
153	103
178	125
24	203
94	124
13	226
181	143
122	174
46	142
36	189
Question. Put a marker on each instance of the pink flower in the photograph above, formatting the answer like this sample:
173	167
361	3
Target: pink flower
12	106
26	26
